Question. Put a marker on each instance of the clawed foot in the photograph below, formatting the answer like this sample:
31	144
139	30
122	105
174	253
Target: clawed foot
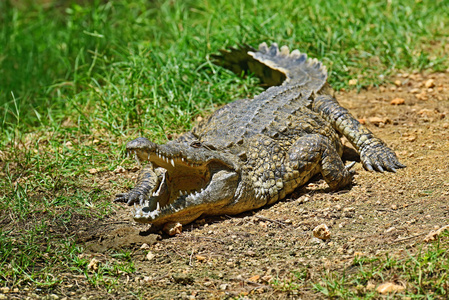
379	157
130	198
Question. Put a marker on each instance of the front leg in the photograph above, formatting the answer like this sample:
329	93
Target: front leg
147	182
374	154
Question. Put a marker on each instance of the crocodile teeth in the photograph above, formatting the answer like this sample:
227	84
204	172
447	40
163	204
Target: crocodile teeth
158	207
180	193
172	162
137	158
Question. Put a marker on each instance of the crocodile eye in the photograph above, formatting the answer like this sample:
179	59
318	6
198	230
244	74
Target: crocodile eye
196	144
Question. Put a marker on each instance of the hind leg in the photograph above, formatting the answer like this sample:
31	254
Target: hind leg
314	153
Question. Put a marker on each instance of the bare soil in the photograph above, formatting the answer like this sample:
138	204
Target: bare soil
245	255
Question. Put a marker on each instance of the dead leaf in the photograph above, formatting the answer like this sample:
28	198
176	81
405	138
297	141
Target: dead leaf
389	287
435	233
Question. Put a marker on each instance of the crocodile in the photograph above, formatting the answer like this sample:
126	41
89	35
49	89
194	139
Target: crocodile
253	152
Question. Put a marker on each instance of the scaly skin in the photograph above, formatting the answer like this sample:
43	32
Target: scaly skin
253	152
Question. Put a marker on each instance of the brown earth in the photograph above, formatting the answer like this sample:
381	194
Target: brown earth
245	255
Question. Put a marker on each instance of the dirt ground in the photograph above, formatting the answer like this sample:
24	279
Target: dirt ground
238	256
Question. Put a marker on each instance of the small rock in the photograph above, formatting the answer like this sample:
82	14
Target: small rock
389	287
411	138
208	283
144	246
93	265
150	255
430	83
224	286
353	82
397	101
4	290
53	297
362	121
200	258
394	207
119	169
173	228
322	232
93	171
397	83
415	91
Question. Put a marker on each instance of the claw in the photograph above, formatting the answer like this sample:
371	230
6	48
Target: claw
369	167
348	167
379	168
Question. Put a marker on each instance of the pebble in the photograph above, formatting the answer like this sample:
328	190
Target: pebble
93	264
389	287
119	169
353	82
173	228
150	255
322	232
429	83
144	246
397	101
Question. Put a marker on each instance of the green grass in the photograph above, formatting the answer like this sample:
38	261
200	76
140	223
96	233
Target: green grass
424	275
79	80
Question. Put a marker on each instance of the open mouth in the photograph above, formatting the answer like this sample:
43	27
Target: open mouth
185	187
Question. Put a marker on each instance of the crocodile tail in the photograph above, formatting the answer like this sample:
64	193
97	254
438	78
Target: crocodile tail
275	66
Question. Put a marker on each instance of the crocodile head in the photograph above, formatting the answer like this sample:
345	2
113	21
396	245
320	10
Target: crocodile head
194	181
